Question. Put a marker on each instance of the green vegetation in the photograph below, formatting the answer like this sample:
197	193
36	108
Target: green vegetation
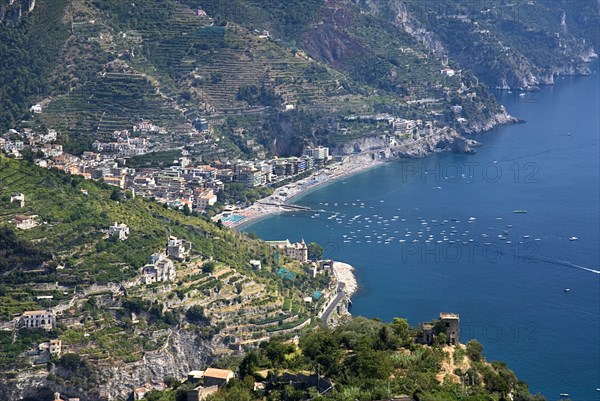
367	360
69	257
237	193
505	41
315	251
29	52
16	253
154	159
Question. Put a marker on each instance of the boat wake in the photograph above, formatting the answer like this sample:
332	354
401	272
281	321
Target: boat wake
567	264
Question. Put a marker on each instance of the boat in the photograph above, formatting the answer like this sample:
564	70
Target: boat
519	211
573	239
564	394
567	289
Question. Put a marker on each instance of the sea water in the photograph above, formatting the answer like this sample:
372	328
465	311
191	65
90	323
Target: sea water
448	233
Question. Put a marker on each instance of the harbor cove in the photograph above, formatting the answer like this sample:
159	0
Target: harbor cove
507	238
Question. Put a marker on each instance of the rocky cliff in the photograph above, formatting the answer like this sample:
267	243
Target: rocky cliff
12	11
497	119
483	48
424	142
110	380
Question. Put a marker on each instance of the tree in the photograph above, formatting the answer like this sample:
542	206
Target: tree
401	329
209	267
440	340
369	364
475	350
322	346
276	350
115	195
195	315
249	364
315	251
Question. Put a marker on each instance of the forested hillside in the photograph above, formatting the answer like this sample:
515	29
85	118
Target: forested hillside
98	66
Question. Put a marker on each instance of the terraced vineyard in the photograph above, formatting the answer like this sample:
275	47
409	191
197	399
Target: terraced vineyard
87	277
114	101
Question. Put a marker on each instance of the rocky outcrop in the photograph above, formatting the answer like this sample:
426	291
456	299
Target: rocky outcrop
404	19
424	142
509	68
499	118
11	13
180	355
110	380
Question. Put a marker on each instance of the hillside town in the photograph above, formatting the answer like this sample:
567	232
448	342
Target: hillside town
178	185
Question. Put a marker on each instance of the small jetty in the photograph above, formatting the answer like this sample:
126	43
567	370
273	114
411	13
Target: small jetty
286	206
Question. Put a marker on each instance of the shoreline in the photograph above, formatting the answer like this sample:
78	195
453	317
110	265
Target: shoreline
276	204
344	273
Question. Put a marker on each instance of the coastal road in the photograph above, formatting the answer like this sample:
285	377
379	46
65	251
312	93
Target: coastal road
340	295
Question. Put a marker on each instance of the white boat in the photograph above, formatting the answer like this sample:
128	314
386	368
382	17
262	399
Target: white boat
567	289
573	239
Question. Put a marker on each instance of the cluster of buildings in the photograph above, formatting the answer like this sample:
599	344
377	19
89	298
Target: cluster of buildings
15	142
178	185
206	382
124	147
161	267
43	352
399	127
257	173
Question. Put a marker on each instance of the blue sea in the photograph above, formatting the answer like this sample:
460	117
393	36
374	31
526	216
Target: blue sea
449	233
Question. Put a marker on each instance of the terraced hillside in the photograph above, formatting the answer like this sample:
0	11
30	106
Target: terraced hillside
93	281
111	63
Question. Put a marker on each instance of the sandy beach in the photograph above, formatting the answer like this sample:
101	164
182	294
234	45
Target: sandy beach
284	196
344	273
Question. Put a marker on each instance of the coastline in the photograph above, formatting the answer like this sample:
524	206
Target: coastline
277	203
344	273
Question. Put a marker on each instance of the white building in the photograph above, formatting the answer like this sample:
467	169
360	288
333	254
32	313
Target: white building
55	347
319	153
205	199
44	319
25	222
448	71
52	150
121	231
18	197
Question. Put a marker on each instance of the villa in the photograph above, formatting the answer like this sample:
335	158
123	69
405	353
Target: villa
44	319
297	250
